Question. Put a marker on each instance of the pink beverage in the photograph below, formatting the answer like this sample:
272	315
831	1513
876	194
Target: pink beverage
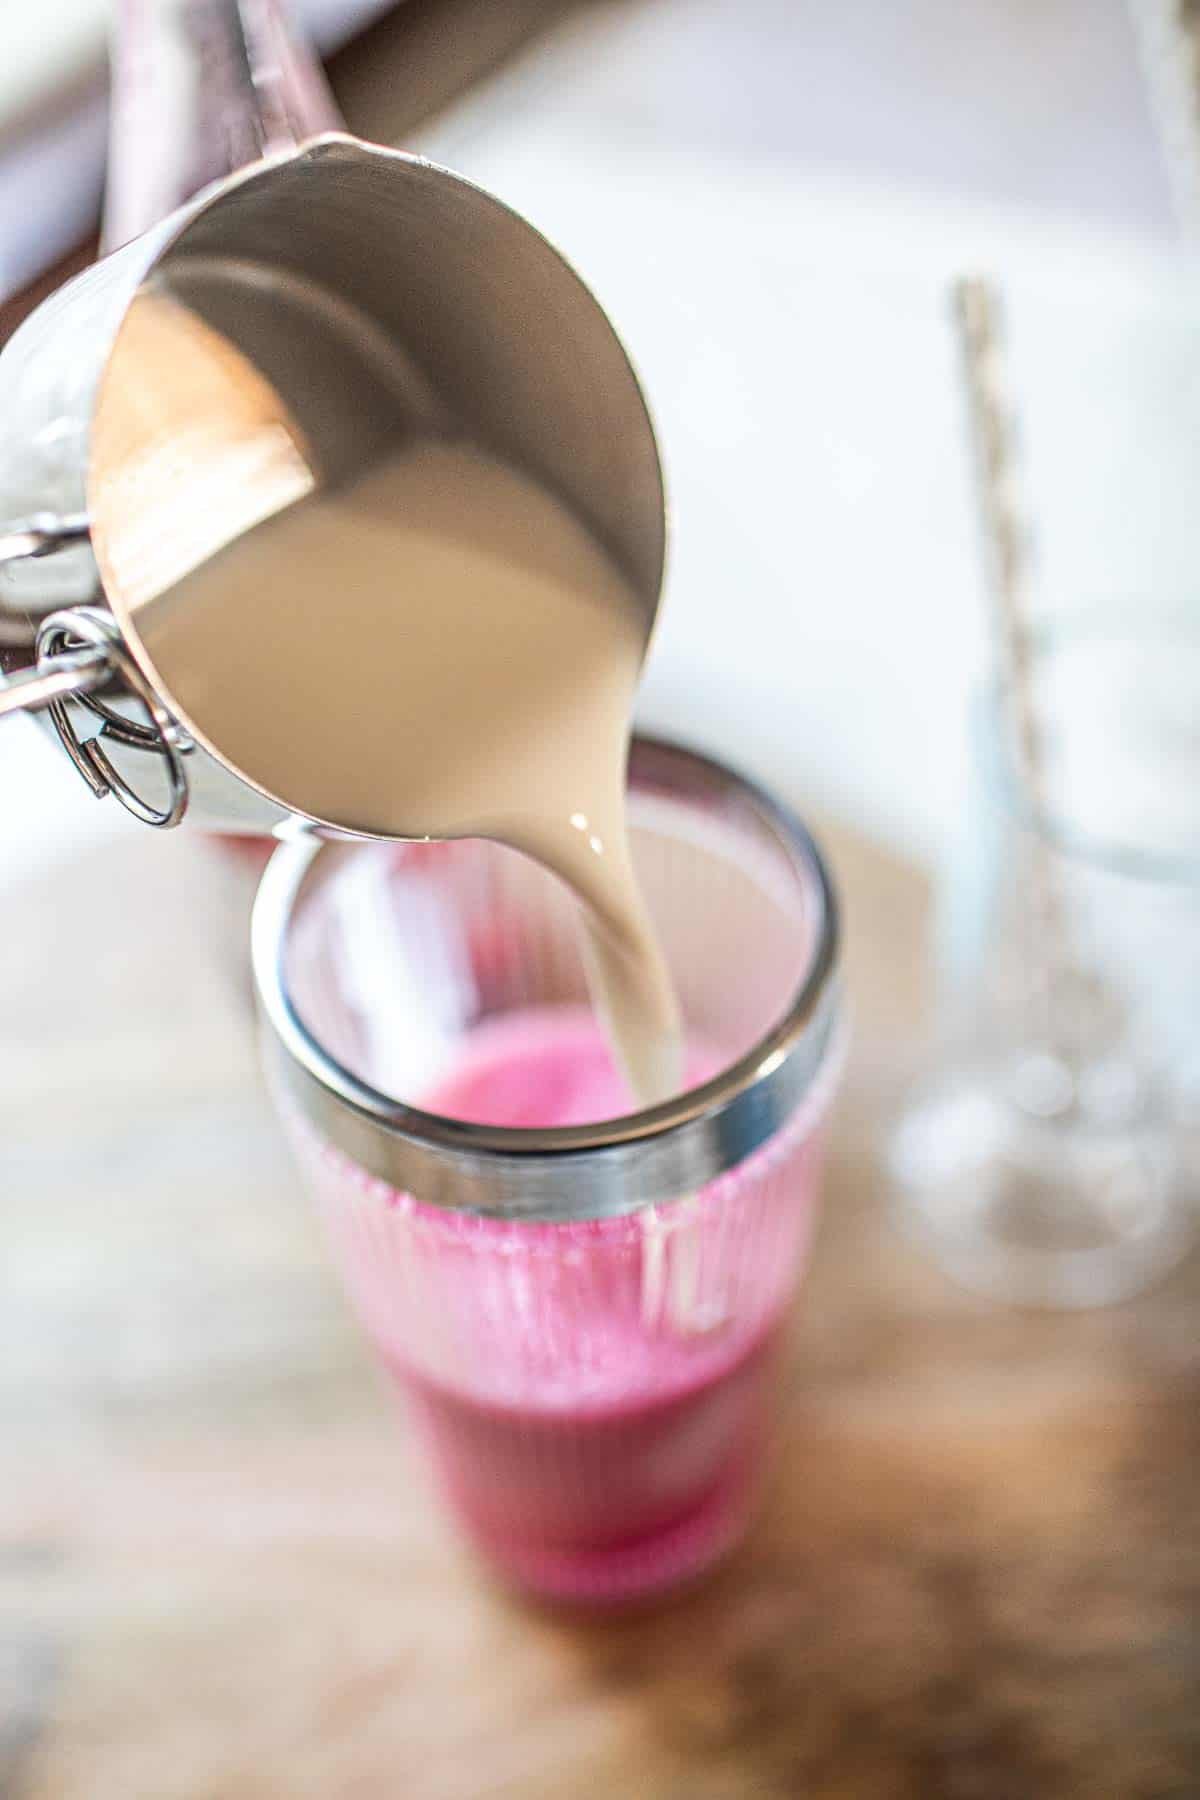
596	1396
582	1305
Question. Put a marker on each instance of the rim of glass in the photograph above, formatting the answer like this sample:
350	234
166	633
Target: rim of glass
662	1151
993	743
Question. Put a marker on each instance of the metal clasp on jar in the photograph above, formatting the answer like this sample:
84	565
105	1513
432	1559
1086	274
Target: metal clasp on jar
79	653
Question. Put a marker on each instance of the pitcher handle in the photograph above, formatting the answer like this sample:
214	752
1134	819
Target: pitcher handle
200	89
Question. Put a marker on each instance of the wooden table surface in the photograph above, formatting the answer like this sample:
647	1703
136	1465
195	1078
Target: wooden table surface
221	1576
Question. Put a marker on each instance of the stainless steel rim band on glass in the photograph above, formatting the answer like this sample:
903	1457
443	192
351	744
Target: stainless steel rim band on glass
566	1173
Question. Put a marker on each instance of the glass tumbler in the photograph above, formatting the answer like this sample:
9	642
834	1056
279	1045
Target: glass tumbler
582	1311
1048	1155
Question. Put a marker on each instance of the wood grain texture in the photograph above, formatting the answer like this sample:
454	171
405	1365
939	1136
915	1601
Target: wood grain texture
976	1575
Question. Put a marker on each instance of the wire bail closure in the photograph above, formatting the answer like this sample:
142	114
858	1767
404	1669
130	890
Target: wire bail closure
64	635
78	651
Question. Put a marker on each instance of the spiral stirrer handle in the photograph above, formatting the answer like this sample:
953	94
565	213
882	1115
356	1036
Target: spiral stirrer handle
1168	34
979	320
978	317
202	88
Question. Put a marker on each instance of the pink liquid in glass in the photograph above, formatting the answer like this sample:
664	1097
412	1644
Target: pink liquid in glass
596	1396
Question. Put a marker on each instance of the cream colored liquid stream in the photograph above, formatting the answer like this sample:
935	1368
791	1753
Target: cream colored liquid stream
512	658
460	655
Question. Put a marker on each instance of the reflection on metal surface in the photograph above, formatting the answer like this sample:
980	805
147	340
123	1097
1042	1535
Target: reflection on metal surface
192	446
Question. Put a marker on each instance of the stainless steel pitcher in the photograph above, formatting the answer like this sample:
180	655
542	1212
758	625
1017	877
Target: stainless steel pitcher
359	296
